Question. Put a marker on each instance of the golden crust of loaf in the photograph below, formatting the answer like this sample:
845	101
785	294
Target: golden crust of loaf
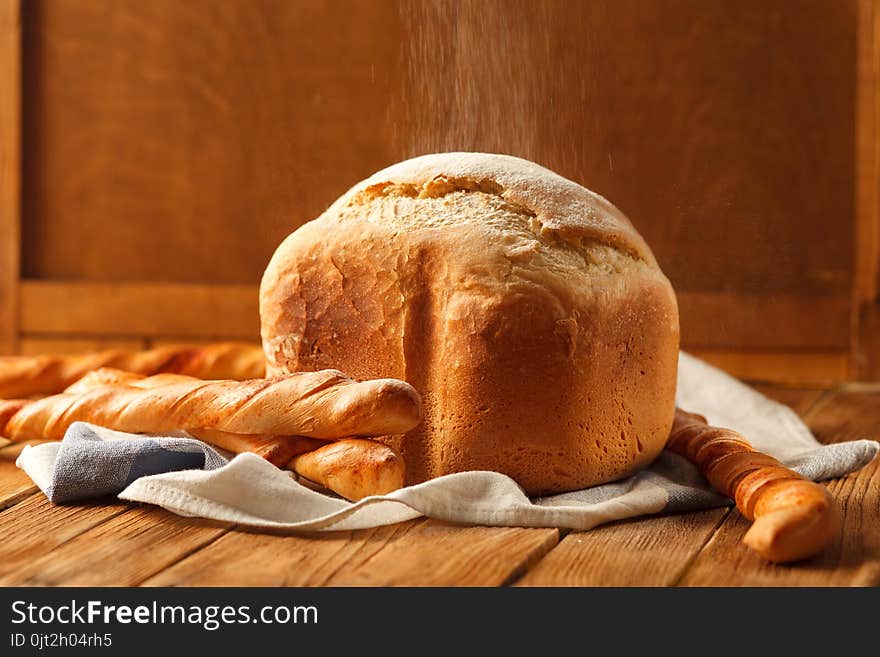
526	310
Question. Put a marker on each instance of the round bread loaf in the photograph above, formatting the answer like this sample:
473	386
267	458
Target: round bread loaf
525	309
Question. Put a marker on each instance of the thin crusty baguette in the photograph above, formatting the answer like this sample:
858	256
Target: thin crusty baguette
278	450
354	468
9	407
108	376
324	404
25	376
794	518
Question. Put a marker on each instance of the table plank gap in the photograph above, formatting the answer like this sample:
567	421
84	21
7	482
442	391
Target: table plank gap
367	553
531	560
415	553
242	558
184	555
122	551
826	398
800	399
693	557
640	552
35	527
854	558
438	553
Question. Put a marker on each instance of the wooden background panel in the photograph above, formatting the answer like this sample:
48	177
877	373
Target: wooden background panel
866	345
867	233
37	346
724	130
157	310
180	142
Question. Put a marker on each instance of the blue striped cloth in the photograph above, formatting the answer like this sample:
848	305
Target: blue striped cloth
93	461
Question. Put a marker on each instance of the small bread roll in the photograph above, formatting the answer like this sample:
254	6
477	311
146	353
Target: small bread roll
525	309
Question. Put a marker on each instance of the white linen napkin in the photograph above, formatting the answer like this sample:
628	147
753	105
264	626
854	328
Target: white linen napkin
250	491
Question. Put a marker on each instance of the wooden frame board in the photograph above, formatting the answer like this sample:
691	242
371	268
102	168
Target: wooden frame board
10	169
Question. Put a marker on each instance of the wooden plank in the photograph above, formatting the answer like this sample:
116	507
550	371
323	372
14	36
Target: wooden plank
15	485
185	343
123	551
646	552
29	345
869	343
417	553
799	399
34	527
175	312
693	63
143	155
866	280
142	309
250	559
867	219
10	170
876	12
786	367
641	552
763	321
854	559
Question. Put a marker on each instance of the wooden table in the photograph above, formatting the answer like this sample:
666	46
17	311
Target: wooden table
116	543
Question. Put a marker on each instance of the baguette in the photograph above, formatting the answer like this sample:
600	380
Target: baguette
25	376
10	407
278	450
324	404
794	518
353	468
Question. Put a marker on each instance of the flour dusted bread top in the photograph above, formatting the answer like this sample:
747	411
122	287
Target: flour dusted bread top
557	207
526	310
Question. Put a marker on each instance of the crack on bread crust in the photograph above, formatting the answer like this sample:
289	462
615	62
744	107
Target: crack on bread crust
446	201
436	187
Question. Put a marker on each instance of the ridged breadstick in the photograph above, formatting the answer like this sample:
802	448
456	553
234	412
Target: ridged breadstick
324	404
24	376
794	518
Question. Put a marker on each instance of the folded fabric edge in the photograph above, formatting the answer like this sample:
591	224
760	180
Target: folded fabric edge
418	499
154	491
